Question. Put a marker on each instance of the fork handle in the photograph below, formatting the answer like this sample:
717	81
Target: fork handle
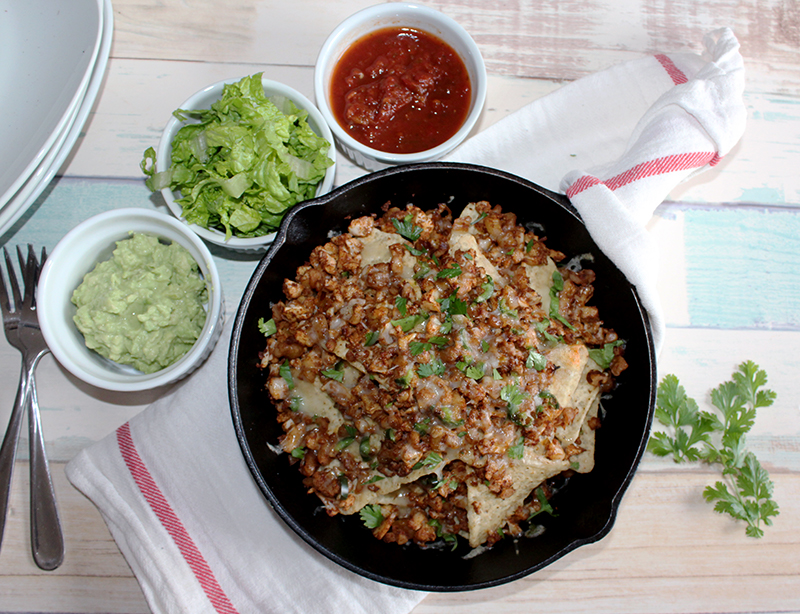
47	540
8	450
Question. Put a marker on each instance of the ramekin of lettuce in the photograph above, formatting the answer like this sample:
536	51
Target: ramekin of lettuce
235	159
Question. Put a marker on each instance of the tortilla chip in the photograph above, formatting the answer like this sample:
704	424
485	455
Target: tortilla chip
570	361
486	512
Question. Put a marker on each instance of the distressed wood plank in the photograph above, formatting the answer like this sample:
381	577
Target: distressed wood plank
668	552
529	39
139	98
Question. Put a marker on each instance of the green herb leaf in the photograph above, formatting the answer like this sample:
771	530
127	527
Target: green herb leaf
431	460
518	449
719	439
336	373
453	271
371	338
371	516
487	290
453	306
410	322
417	347
286	373
267	327
434	367
544	504
603	356
400	303
535	360
406	228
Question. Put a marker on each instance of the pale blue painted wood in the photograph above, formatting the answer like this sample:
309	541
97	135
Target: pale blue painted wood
741	267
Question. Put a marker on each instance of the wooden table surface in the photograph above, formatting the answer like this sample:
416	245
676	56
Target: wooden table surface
729	282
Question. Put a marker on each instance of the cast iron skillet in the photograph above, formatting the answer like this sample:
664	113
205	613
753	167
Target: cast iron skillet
586	506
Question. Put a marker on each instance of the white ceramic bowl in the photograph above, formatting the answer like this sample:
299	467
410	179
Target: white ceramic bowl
203	100
397	14
76	254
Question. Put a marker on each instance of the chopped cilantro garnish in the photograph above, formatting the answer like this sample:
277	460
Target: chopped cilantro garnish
488	290
286	373
400	303
416	252
446	326
371	516
424	269
417	347
365	449
431	460
453	271
511	394
439	341
452	305
267	327
423	426
544	504
406	228
535	360
371	338
434	367
506	310
409	322
474	371
298	453
518	449
404	381
555	305
336	373
541	328
603	356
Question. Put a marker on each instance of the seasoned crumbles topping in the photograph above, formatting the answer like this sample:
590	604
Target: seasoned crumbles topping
431	373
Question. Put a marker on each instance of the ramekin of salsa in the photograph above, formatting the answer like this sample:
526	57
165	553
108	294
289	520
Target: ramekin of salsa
398	84
400	90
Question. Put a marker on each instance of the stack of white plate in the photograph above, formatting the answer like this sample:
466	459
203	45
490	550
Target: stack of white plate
54	58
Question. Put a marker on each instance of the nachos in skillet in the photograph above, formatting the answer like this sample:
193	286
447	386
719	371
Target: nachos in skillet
432	374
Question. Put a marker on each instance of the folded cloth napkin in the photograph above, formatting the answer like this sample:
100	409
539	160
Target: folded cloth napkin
172	484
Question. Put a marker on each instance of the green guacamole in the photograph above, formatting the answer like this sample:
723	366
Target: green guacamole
144	306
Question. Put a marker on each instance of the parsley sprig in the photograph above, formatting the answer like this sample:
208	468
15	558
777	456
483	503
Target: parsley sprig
718	438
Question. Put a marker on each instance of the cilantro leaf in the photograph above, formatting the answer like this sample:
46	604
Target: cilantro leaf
431	460
286	373
745	493
267	327
409	322
406	228
535	360
453	271
603	356
434	367
517	451
371	516
488	290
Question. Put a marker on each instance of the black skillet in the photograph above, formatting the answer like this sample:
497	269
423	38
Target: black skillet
586	506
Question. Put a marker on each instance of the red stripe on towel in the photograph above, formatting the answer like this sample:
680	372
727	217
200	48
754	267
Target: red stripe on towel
170	521
675	73
659	166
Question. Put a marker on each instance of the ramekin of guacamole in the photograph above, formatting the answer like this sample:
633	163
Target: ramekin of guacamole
144	307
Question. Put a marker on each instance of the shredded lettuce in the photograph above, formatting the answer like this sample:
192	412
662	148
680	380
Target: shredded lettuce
244	163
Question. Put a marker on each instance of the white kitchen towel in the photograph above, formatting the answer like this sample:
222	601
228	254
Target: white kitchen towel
617	142
172	484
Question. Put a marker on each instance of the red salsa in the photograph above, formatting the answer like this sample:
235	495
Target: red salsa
400	90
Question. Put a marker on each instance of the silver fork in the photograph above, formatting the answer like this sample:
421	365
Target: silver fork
22	331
